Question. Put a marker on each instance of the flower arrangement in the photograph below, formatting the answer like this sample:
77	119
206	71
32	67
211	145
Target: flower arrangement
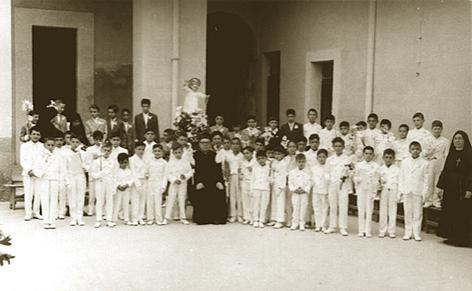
269	134
348	169
192	124
27	106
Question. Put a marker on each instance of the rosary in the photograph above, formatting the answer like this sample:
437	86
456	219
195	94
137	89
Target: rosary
458	162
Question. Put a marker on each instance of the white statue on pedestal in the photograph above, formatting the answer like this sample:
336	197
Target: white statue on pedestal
192	100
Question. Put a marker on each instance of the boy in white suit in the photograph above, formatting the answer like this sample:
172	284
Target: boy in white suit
157	184
388	177
413	186
260	186
299	182
320	189
29	151
366	180
138	167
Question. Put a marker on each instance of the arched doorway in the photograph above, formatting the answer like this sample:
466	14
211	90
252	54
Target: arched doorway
230	45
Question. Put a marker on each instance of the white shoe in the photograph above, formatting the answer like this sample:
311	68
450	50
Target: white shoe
343	232
294	227
330	230
318	229
278	225
81	223
368	235
381	235
302	227
418	237
111	224
164	222
38	216
141	222
90	213
61	217
261	224
151	222
185	221
130	223
256	224
406	237
46	226
97	224
392	235
52	226
27	217
427	205
73	223
232	219
246	221
360	234
271	223
240	219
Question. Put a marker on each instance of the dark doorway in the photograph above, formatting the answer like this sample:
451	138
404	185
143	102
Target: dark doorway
273	85
54	66
326	89
229	55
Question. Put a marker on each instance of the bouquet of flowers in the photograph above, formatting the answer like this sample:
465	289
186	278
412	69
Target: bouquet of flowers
348	168
269	134
192	124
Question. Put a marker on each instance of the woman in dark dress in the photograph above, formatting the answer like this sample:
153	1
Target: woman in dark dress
77	127
456	180
208	196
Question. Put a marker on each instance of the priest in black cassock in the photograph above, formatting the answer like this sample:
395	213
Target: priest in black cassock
208	196
456	179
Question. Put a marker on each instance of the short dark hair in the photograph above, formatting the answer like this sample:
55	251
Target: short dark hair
145	101
260	140
330	117
414	143
106	145
215	133
368	148
313	110
148	130
73	135
35	128
114	107
270	147
322	151
157	145
279	149
177	146
302	139
386	122
169	131
32	112
337	139
389	152
248	148
251	117
113	135
139	144
300	157
97	135
261	153
418	114
290	111
219	115
373	115
95	106
273	119
404	126
125	110
437	123
344	124
122	157
314	136
59	134
236	138
361	123
47	138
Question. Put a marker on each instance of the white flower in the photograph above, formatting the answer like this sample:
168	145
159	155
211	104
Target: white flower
295	127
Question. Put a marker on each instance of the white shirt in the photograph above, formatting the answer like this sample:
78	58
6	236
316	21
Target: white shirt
246	169
176	168
29	151
311	128
91	153
383	142
371	136
49	166
138	167
311	158
365	175
103	167
191	101
145	117
116	151
326	139
157	169
418	135
148	147
124	177
414	177
320	179
349	144
402	149
234	162
280	173
388	176
435	148
75	162
260	179
299	179
337	167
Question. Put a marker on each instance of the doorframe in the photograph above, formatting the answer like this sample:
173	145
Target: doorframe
313	89
24	20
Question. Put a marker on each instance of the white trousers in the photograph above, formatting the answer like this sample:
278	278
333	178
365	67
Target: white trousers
49	192
435	168
121	200
272	209
338	204
288	206
92	195
235	197
413	208
299	203
138	201
61	207
104	194
31	195
179	192
320	207
365	206
261	201
248	201
388	210
76	196
280	204
154	201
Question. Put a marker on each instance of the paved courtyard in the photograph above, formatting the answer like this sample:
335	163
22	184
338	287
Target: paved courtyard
222	257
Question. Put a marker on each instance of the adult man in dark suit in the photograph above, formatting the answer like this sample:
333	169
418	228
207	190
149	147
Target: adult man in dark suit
145	120
292	130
